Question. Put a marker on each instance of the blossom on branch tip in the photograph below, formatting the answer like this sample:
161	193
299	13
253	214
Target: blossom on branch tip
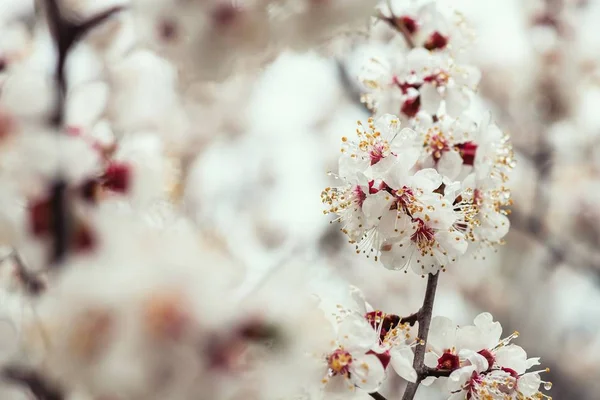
482	364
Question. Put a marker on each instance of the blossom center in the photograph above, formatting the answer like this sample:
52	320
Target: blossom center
383	323
411	106
467	151
410	24
438	145
423	236
439	79
360	195
436	41
448	361
377	152
339	362
405	197
117	177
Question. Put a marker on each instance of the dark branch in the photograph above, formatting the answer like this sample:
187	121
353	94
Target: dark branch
41	389
412	319
66	35
424	320
437	373
377	396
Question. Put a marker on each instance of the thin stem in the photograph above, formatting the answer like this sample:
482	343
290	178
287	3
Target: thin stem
424	320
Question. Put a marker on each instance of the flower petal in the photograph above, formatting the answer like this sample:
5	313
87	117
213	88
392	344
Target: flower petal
513	357
430	98
450	164
367	372
460	377
431	359
356	334
529	384
375	205
427	179
456	101
402	360
442	334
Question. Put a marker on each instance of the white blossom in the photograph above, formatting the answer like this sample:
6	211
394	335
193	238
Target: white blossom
482	365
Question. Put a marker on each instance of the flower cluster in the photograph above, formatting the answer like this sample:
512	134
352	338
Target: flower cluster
423	71
424	195
419	197
480	363
365	343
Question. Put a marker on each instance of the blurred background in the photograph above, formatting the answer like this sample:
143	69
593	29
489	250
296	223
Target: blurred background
253	181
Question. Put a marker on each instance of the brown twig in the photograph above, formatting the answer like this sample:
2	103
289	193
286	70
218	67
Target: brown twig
424	320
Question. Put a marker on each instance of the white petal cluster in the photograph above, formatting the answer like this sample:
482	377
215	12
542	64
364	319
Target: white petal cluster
481	364
420	197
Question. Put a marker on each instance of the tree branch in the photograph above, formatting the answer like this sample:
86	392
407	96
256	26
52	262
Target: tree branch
377	396
41	389
66	35
424	320
437	373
